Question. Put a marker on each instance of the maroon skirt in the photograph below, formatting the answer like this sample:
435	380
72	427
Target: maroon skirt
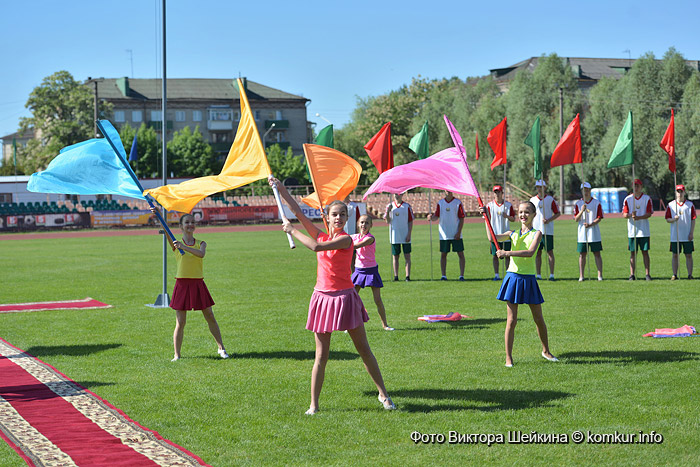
191	294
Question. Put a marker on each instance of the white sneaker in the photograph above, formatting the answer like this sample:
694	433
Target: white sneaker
175	359
387	403
552	359
580	279
222	353
600	278
387	328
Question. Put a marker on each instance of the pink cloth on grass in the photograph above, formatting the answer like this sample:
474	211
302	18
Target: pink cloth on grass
684	331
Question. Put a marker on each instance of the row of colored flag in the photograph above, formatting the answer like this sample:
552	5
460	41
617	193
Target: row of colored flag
568	150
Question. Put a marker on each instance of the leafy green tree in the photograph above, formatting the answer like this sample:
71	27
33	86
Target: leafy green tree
189	155
62	115
148	146
650	89
688	135
538	93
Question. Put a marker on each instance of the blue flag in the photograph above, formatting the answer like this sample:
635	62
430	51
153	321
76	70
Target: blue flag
134	153
88	168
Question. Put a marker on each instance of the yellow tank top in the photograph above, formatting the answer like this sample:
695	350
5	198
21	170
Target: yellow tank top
519	264
189	266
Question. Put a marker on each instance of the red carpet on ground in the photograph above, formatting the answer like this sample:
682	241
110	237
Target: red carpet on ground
84	304
51	420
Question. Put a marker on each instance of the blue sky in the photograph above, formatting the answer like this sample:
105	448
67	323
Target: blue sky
330	52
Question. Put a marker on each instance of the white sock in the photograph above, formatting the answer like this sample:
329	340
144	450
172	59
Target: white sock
497	276
551	276
539	276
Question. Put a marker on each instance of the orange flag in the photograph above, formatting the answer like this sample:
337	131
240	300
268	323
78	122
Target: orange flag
333	174
568	150
246	162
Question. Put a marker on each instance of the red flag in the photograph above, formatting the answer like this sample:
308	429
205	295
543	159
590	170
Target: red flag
379	149
477	146
668	144
497	140
568	151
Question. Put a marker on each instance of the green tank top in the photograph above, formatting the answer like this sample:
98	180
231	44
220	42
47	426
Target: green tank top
519	264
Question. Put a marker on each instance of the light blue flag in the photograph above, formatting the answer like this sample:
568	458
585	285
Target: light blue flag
88	168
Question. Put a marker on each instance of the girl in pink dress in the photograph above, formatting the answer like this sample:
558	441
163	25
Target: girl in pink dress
335	305
366	270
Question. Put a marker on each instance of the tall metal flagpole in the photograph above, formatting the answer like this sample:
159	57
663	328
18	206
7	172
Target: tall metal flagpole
430	222
634	224
163	299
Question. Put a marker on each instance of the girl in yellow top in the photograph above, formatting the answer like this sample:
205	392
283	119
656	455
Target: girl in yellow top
190	291
519	285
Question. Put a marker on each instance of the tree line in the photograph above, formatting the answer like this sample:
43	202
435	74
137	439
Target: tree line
650	89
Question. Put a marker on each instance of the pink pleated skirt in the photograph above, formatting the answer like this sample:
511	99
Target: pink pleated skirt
191	294
340	310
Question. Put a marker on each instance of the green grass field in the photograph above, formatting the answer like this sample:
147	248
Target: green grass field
443	377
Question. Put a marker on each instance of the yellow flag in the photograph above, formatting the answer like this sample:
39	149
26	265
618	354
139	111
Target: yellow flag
246	162
334	175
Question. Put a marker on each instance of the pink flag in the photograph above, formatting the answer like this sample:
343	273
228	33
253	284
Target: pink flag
446	170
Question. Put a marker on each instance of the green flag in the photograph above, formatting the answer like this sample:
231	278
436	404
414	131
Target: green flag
14	150
325	137
420	143
623	154
533	140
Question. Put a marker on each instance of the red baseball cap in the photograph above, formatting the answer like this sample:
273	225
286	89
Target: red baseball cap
497	188
680	187
638	181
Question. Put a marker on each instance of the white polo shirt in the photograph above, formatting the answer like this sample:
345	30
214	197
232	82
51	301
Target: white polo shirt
546	207
400	216
353	216
499	216
641	206
686	211
594	210
449	214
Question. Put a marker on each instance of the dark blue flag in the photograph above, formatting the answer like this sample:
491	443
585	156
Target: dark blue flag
134	154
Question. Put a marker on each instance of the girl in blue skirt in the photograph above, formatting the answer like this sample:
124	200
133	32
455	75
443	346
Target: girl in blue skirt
519	285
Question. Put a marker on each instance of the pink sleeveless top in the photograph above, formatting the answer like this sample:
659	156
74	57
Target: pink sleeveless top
365	255
333	272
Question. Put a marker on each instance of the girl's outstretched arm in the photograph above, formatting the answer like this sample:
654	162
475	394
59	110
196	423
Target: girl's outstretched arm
198	252
338	243
364	242
294	206
530	251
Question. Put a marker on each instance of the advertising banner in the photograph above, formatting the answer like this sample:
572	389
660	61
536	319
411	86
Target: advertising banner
38	221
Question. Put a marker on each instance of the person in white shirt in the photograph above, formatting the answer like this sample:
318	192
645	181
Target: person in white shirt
399	216
501	214
680	213
588	212
451	214
547	213
637	209
353	216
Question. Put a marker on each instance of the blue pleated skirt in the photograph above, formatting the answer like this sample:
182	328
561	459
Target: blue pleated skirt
520	288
